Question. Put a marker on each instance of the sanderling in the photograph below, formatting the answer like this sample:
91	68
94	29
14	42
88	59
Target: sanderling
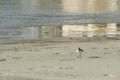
79	50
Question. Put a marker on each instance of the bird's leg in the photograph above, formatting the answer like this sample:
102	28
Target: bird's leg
80	56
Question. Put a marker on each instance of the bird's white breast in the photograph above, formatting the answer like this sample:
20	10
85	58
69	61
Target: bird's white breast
77	50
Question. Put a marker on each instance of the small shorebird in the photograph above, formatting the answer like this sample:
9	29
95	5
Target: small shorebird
79	50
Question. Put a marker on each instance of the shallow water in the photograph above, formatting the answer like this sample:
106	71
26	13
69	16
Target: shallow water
49	12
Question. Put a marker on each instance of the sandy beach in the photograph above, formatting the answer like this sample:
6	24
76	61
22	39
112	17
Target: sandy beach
58	61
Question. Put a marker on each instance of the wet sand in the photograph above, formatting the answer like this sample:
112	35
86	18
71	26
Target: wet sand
58	61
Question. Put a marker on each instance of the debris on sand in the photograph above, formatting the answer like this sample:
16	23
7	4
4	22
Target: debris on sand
16	57
67	59
30	68
107	53
94	57
57	53
106	48
109	75
2	60
93	48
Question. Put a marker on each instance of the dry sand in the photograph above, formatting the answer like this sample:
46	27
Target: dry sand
58	61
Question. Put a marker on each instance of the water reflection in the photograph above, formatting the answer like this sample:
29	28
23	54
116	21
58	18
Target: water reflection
52	32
